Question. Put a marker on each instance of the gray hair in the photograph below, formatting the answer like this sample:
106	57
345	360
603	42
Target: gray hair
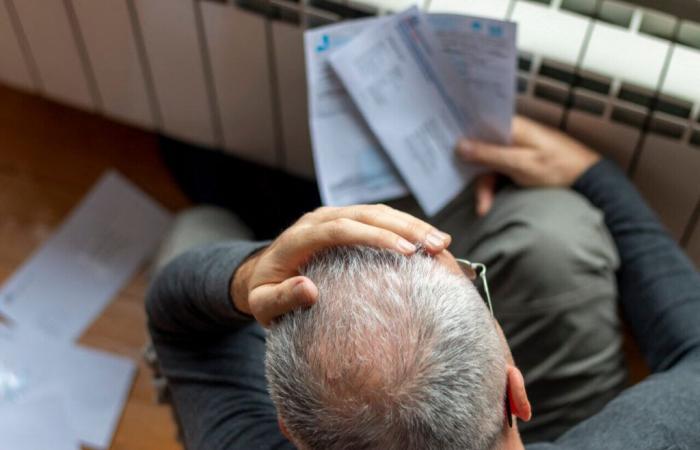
398	353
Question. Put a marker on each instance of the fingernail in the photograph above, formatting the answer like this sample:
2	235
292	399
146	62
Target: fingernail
445	237
299	289
302	293
434	239
406	247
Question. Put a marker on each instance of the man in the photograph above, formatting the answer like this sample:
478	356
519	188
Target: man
397	353
551	271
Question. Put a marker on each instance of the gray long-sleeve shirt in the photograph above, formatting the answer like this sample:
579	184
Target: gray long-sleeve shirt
192	321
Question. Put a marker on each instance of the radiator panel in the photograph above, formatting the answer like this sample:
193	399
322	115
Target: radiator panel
174	51
622	54
543	99
13	67
241	75
114	58
615	141
291	87
495	9
540	110
596	73
667	176
55	50
555	34
683	76
391	5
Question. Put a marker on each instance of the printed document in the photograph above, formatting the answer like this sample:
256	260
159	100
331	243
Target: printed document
482	53
406	89
350	164
90	385
36	425
72	277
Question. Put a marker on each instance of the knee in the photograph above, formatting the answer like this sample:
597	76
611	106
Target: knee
549	237
563	229
562	232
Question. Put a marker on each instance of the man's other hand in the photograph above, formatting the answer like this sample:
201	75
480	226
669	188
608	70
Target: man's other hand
539	157
268	284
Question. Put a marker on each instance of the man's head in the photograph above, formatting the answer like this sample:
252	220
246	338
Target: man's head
398	353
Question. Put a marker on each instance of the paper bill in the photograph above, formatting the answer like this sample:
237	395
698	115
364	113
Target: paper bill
72	277
405	88
350	164
91	385
351	167
36	425
484	54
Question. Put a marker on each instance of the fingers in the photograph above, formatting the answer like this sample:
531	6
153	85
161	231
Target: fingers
524	131
447	260
485	187
511	161
301	242
408	227
270	301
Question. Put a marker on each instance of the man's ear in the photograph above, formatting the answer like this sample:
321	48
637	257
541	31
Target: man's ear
283	428
519	403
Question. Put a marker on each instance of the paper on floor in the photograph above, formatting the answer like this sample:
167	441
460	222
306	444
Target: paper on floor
37	424
72	277
91	387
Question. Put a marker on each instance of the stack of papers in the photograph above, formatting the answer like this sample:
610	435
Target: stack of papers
54	393
389	98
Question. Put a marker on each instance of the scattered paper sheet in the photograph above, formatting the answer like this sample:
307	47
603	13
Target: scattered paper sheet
350	165
72	277
91	386
481	51
38	424
405	88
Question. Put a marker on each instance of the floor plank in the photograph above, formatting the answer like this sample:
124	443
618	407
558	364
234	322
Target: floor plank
50	156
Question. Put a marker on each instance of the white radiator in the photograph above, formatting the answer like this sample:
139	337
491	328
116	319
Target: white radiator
622	78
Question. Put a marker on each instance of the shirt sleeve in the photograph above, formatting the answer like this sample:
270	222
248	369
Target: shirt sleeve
660	298
659	287
190	296
211	354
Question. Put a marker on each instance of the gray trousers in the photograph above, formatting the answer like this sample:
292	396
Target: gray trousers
551	265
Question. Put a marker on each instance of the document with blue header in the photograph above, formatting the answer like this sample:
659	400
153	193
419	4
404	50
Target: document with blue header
417	83
350	164
406	90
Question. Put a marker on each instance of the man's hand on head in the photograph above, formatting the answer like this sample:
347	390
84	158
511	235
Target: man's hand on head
539	157
268	284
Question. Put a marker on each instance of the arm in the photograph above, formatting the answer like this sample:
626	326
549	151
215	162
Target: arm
191	295
200	309
659	287
660	290
201	340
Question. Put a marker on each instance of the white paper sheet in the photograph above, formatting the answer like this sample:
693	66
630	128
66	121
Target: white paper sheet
91	385
350	164
483	53
38	424
405	88
72	277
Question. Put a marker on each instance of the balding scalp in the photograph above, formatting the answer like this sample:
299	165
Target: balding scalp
398	353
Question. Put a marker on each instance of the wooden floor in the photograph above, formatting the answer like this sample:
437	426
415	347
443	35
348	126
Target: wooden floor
50	156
